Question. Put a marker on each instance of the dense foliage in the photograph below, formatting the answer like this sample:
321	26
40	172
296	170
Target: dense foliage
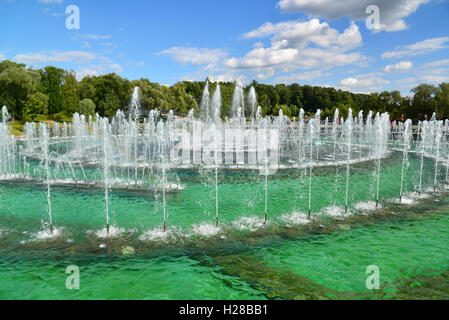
56	93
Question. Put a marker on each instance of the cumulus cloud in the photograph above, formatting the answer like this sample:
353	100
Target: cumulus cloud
49	12
401	66
299	45
38	59
363	83
437	63
195	56
300	34
2	57
419	48
98	69
435	78
392	13
264	57
85	63
301	76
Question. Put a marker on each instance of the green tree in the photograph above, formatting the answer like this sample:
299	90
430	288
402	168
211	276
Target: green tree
86	107
37	103
86	88
70	96
424	103
15	86
6	64
109	105
51	82
442	99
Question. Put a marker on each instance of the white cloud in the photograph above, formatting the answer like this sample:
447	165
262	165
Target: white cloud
195	56
96	70
419	48
400	66
49	12
230	77
50	1
38	59
300	34
85	63
435	78
437	63
392	12
95	37
262	58
299	77
109	44
299	45
2	57
363	83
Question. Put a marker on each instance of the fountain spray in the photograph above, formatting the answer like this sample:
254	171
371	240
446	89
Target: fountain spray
311	132
43	141
106	169
348	127
204	104
424	136
438	134
216	177
406	137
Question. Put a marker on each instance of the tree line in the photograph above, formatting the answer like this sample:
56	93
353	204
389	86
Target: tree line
54	93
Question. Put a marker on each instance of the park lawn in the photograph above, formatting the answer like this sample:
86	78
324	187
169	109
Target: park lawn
17	128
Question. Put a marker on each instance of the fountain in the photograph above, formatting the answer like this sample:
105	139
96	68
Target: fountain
106	144
310	137
238	101
135	105
163	157
215	105
204	104
44	145
252	101
348	133
406	139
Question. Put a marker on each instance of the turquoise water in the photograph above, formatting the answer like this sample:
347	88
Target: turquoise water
287	259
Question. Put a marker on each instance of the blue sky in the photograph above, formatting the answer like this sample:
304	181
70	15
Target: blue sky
316	42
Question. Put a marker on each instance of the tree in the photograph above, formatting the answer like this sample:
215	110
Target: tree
15	86
70	97
442	99
391	102
111	93
51	81
86	88
6	64
37	103
86	107
109	105
424	103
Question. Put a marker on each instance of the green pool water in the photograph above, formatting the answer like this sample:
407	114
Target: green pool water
326	258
